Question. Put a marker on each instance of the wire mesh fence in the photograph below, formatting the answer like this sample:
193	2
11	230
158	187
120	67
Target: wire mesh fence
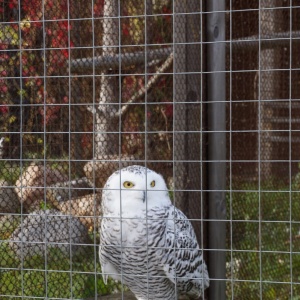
205	93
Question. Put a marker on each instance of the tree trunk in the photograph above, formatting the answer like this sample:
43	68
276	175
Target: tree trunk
187	110
268	85
107	125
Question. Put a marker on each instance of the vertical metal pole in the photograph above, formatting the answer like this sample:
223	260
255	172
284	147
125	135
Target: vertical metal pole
216	90
270	22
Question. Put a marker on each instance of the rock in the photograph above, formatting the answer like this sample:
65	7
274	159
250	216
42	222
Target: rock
30	186
98	171
9	202
45	229
86	208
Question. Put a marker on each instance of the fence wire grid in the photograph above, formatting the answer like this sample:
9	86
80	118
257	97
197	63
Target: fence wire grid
205	93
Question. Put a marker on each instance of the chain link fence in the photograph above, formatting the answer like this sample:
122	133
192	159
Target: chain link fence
262	178
88	87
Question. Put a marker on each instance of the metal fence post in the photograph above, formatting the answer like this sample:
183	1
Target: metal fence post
216	92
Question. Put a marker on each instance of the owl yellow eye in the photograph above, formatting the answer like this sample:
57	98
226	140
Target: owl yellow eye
128	184
152	184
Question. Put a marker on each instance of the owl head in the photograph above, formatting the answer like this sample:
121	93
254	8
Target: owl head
133	189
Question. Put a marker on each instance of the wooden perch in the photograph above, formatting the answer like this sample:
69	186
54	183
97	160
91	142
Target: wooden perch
267	41
107	62
113	61
141	92
61	192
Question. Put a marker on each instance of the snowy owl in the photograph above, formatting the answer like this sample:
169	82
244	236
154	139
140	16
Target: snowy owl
146	242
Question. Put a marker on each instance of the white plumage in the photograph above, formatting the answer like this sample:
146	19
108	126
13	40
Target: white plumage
146	242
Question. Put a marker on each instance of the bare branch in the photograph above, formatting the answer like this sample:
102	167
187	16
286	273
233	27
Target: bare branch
141	92
166	121
91	109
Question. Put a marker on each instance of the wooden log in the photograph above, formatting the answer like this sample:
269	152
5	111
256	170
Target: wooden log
61	192
75	198
86	208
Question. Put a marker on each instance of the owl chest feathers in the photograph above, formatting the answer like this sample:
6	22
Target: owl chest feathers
133	230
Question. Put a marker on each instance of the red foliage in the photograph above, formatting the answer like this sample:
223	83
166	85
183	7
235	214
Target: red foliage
30	62
167	11
48	24
49	113
168	110
12	4
3	89
98	8
125	29
57	29
4	109
33	11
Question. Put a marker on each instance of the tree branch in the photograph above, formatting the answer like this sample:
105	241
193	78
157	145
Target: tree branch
141	92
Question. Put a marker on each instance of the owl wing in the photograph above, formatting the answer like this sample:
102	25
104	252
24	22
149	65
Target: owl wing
183	261
109	253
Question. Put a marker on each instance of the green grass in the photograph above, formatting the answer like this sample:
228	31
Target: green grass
7	225
54	276
264	235
269	222
9	172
